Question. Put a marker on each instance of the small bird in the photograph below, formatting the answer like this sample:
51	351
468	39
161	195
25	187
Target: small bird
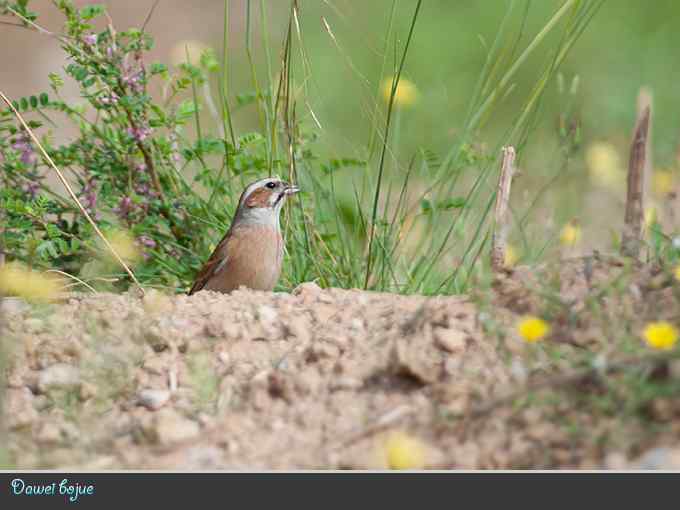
250	253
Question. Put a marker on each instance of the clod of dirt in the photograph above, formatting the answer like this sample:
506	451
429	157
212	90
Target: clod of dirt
168	427
19	408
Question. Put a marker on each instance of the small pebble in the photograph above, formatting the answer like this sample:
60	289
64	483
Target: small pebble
153	399
59	375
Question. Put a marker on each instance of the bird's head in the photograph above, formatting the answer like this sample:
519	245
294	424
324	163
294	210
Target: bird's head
261	201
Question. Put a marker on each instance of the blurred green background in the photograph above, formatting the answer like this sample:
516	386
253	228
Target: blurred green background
348	51
573	149
628	44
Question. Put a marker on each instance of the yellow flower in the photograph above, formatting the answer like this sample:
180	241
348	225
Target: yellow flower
17	280
676	272
660	335
532	329
511	256
404	452
405	95
604	165
570	234
124	244
663	182
650	216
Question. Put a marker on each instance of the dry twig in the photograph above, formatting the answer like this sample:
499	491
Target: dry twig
644	101
634	219
500	232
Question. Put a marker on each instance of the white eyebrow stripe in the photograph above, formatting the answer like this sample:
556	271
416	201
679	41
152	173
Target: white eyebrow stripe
257	184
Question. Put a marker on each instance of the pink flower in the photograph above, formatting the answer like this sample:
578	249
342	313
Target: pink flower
23	145
89	194
147	241
111	99
125	207
139	133
31	189
174	147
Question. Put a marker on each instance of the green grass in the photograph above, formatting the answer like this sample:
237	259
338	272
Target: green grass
367	237
383	207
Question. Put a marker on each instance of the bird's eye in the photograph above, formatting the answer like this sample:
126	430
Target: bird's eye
271	185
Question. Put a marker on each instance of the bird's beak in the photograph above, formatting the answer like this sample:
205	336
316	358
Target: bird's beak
291	190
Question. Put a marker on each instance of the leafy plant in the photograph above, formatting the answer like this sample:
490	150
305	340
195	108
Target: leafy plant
148	164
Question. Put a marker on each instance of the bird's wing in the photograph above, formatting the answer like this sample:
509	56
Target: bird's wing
215	264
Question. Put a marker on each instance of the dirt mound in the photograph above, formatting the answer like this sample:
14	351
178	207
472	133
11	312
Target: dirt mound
253	380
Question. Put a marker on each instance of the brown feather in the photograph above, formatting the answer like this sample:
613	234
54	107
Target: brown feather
206	272
248	256
259	198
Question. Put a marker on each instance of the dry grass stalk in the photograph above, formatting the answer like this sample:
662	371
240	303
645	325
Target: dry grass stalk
634	217
644	101
2	230
501	228
383	422
71	192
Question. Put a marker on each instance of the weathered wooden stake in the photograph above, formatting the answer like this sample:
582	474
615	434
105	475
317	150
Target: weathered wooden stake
631	239
644	101
500	232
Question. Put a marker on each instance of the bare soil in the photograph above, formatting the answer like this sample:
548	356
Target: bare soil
315	379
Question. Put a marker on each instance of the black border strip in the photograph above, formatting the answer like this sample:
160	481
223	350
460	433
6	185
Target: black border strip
375	490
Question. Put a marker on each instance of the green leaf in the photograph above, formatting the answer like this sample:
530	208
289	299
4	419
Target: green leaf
245	98
452	203
209	60
337	164
24	104
186	110
46	249
78	72
63	246
34	101
250	139
192	72
52	231
158	68
427	205
91	11
44	99
56	82
209	145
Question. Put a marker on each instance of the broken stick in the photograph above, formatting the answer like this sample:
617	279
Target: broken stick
631	239
500	233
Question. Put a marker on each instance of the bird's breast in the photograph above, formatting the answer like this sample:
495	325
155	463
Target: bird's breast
254	255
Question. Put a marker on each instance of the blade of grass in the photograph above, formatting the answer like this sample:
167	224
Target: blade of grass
376	198
224	78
